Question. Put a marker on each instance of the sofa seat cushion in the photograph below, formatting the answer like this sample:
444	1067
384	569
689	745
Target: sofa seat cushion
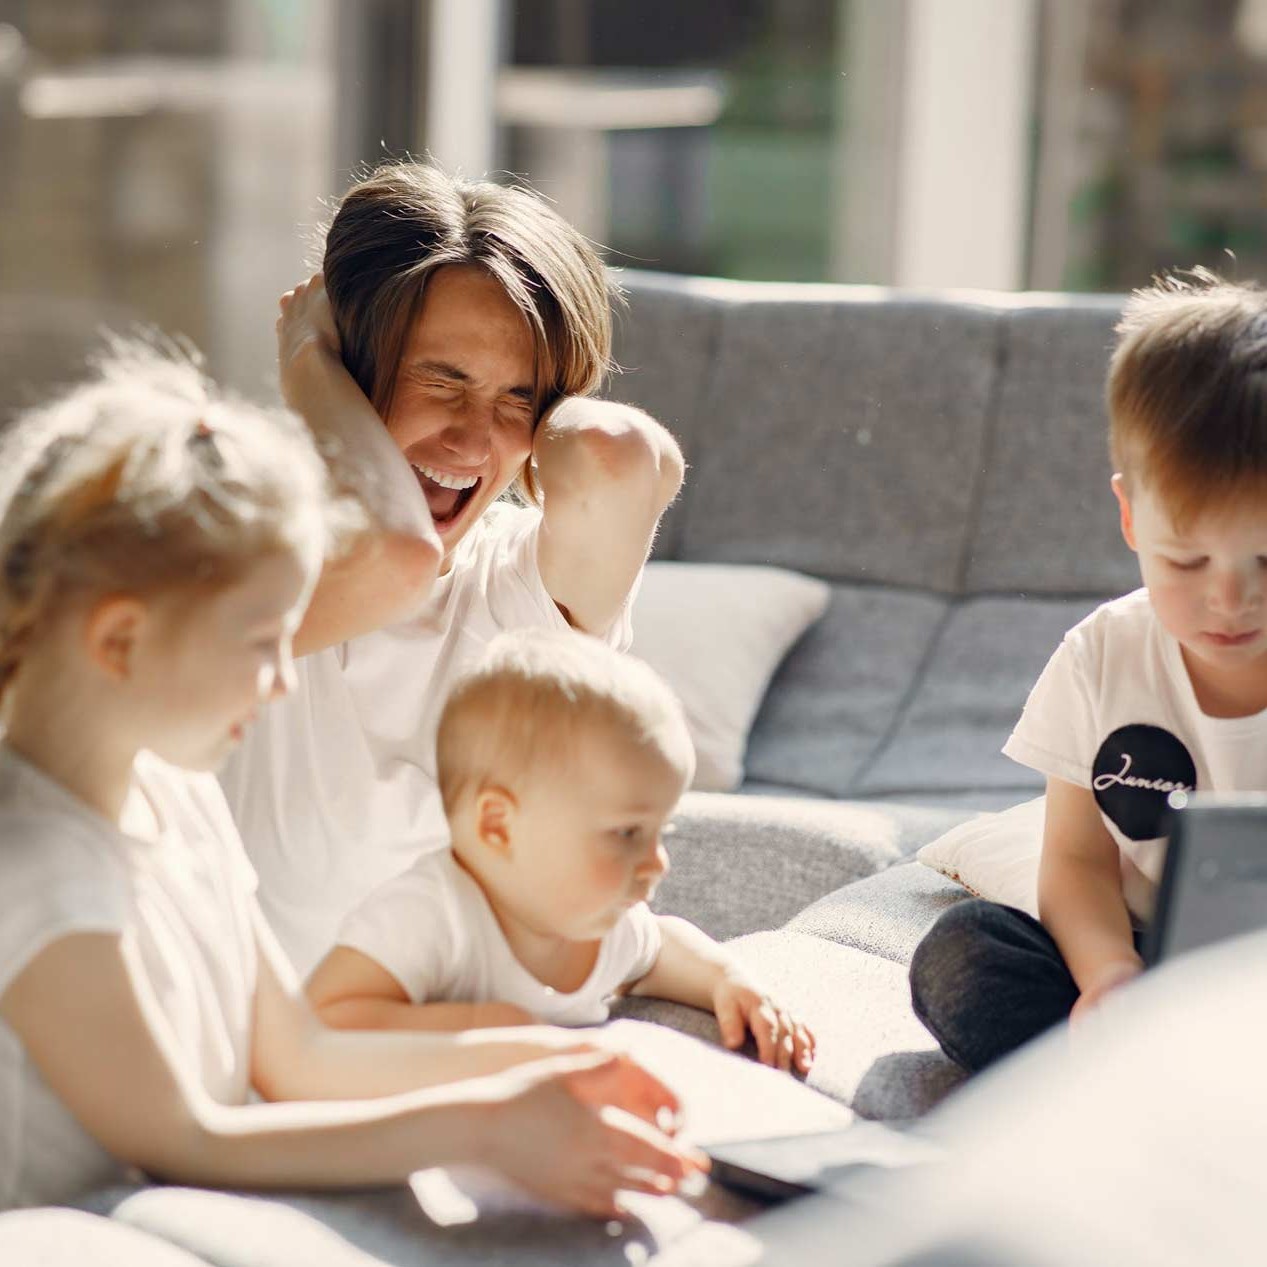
873	1054
885	914
740	864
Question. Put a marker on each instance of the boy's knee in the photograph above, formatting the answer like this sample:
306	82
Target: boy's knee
946	962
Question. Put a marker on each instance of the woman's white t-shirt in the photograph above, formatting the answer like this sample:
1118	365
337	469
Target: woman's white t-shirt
183	905
1114	711
432	928
334	789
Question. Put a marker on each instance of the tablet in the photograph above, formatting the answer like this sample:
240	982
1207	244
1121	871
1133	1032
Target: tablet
776	1168
1214	881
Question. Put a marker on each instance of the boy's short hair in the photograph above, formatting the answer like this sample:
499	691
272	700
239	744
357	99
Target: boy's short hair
534	695
1187	393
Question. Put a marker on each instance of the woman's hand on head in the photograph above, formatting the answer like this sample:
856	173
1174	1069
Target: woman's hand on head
305	324
578	1129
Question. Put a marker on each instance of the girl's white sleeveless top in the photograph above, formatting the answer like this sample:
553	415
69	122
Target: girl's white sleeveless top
183	906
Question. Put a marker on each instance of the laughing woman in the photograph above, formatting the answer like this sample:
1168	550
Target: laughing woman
465	326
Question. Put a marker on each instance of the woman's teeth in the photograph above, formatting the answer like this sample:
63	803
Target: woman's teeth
457	482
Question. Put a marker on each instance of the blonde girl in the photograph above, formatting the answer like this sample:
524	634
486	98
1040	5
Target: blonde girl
158	545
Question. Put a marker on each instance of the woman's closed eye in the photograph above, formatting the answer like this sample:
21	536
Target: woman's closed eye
514	409
1188	565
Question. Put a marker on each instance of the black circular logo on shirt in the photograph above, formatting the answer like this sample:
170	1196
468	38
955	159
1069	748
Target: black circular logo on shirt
1135	771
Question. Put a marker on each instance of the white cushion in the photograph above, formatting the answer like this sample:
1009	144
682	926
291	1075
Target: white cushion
716	632
994	856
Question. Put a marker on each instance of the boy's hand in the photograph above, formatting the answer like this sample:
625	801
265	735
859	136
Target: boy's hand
1109	978
782	1041
578	1129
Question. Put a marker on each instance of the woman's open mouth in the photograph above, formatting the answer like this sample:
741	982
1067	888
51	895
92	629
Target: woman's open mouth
447	495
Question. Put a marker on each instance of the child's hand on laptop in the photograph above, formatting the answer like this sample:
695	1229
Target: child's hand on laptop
741	1005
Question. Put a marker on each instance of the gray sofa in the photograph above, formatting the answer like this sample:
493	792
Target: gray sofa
940	460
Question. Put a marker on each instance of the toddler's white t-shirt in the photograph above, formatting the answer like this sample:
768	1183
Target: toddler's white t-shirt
432	928
334	788
184	904
1114	711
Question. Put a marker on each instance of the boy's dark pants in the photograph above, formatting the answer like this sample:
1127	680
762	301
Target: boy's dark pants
986	979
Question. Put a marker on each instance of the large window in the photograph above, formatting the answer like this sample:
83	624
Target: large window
159	160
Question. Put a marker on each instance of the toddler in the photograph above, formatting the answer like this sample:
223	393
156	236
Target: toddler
560	761
158	543
1162	690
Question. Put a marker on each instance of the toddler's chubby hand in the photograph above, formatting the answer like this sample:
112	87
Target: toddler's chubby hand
305	324
782	1040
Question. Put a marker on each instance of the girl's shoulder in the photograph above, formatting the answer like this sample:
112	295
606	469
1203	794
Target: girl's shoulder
44	825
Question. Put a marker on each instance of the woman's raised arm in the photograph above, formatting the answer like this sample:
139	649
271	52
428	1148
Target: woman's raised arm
389	570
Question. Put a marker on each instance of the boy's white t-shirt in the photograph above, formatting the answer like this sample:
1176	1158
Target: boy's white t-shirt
1114	711
334	788
432	928
183	906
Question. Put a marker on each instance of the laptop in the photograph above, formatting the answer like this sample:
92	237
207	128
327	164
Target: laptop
1214	880
776	1168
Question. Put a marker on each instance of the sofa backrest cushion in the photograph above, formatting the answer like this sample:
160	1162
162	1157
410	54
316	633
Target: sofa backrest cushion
953	443
666	348
1047	521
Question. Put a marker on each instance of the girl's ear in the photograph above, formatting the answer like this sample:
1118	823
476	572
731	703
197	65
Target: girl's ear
494	818
1124	509
111	632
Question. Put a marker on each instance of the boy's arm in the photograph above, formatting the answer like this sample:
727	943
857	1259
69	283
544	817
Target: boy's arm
389	570
607	471
1080	898
692	968
351	990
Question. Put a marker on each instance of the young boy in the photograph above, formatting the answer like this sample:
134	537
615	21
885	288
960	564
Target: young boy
1162	690
559	763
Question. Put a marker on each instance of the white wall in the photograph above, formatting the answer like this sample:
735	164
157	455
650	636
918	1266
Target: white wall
963	169
464	55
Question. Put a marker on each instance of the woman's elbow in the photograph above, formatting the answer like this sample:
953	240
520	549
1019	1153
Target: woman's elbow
630	450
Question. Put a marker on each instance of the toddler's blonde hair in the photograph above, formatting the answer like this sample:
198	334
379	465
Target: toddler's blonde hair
534	696
144	478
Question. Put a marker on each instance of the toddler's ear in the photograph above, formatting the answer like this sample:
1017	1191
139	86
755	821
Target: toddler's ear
494	817
111	632
1124	508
